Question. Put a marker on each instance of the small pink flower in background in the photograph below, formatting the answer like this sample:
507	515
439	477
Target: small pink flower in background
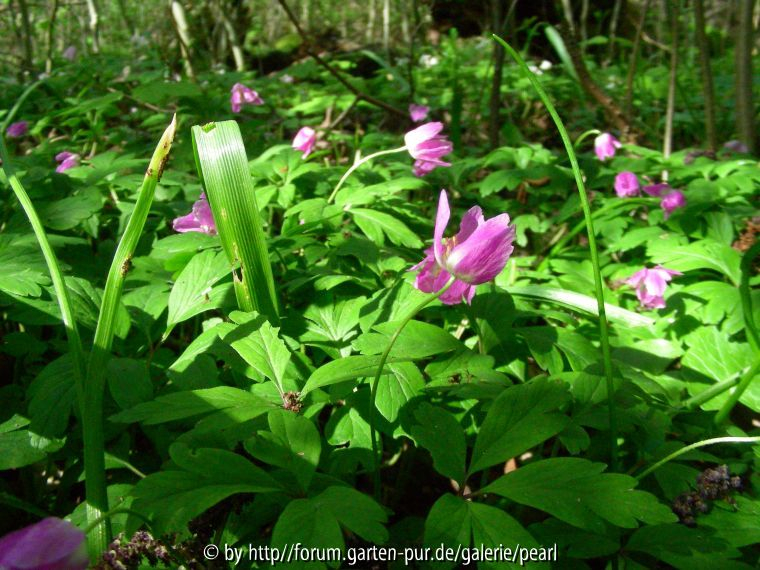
70	53
650	285
66	160
199	219
16	130
286	78
477	254
427	146
51	544
305	140
605	146
626	184
241	95
418	113
657	190
672	202
736	146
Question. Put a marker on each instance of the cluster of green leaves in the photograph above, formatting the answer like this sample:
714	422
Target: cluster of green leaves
492	417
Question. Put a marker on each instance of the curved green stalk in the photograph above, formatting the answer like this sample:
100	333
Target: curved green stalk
585	135
696	445
373	387
12	113
598	286
733	398
59	285
356	165
94	443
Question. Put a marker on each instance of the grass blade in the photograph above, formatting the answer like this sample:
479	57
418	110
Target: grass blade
94	444
223	167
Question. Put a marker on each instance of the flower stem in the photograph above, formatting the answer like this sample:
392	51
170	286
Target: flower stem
357	164
585	135
373	388
598	286
737	393
696	445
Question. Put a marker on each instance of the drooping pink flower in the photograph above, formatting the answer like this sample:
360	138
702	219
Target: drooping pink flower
199	219
626	184
605	146
672	202
418	113
51	544
427	146
18	129
650	285
476	254
305	140
736	146
70	53
66	160
657	190
241	95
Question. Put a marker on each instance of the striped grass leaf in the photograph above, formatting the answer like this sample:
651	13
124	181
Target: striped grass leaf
94	445
223	167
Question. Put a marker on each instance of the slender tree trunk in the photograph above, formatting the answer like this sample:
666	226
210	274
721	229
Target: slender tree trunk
584	21
613	28
402	8
127	19
494	124
745	110
94	24
183	32
306	14
26	28
387	28
634	61
51	37
235	47
711	137
567	8
667	143
371	21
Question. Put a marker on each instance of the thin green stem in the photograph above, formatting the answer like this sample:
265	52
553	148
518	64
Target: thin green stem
356	165
12	113
585	135
706	395
696	445
598	286
59	285
383	358
733	398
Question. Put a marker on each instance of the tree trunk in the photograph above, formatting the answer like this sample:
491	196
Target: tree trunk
183	32
125	16
235	47
711	137
27	35
94	24
667	143
370	34
634	61
51	37
745	110
613	28
387	28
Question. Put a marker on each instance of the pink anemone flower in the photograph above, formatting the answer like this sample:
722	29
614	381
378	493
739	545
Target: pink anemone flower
50	544
418	113
16	130
626	184
657	190
305	140
650	285
66	160
199	219
605	146
427	146
672	202
476	254
241	95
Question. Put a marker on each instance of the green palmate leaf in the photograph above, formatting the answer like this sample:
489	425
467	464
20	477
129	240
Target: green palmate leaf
203	477
346	369
377	225
292	443
194	290
521	417
194	403
260	346
223	167
129	382
703	254
71	211
685	548
582	303
52	395
398	388
454	522
316	522
448	452
22	447
577	492
417	340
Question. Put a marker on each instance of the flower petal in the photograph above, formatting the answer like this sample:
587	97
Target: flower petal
484	254
441	221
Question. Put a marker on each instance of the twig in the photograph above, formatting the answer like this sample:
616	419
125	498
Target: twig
334	72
